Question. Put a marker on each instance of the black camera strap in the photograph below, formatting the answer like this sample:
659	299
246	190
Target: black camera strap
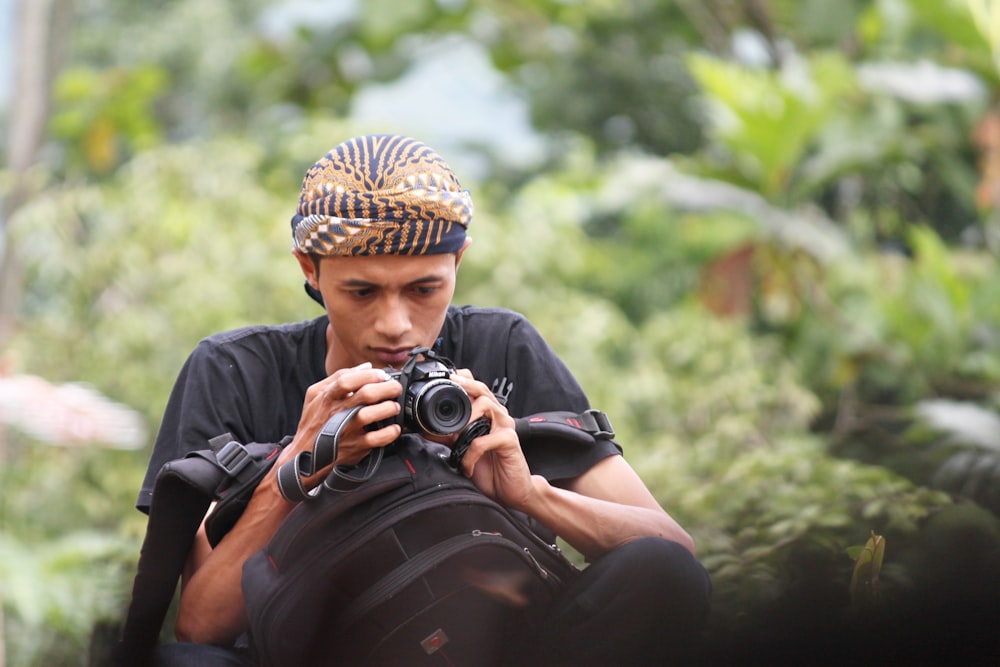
324	452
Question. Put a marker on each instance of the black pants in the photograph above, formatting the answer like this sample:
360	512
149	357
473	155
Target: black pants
643	604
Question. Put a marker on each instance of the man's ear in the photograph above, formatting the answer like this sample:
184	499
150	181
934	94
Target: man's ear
308	266
461	251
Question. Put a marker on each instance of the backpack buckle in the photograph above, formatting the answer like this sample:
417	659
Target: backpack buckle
603	430
233	457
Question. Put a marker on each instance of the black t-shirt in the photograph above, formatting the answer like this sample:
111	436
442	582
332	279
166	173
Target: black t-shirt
251	382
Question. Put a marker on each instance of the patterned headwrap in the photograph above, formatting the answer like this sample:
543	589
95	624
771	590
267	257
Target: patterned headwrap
381	195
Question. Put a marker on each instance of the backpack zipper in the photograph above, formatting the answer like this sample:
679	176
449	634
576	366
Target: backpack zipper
414	568
388	516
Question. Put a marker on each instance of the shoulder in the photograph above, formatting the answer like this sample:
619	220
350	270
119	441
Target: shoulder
482	316
253	340
263	353
477	331
499	327
505	351
266	334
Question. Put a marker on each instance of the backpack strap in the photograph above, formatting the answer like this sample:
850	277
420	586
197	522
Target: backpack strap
182	493
574	428
578	428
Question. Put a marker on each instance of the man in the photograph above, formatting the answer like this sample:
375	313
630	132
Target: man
379	234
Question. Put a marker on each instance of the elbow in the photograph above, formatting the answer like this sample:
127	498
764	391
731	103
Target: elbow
186	631
198	633
679	537
189	627
673	532
686	541
213	616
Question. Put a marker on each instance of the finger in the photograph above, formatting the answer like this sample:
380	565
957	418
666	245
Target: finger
488	406
475	451
336	380
494	440
369	417
358	441
474	388
349	380
376	391
363	386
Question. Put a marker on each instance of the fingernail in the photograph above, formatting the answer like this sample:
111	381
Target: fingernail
367	364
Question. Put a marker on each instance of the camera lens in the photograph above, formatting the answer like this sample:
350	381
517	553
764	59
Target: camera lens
442	407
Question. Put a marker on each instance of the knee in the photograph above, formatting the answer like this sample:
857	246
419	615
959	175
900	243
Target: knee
185	654
670	574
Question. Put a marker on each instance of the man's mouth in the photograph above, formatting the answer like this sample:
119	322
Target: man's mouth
394	357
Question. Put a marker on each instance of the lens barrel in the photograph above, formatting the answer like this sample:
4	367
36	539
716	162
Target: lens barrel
439	407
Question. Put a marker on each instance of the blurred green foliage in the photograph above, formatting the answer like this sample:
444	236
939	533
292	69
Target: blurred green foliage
768	270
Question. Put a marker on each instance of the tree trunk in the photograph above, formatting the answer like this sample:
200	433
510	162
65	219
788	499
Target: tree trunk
35	64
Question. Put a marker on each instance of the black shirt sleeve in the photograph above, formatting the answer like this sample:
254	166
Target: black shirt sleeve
248	382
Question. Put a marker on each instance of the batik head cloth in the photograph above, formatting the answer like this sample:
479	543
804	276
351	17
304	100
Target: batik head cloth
381	195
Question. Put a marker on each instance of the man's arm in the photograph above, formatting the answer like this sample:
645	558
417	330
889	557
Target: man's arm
212	608
604	508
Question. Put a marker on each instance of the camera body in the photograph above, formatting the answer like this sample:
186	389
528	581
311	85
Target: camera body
431	403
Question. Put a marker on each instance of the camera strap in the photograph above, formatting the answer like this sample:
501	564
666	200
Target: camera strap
324	452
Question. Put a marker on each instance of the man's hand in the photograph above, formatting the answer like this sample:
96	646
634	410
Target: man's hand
211	607
494	461
603	508
345	389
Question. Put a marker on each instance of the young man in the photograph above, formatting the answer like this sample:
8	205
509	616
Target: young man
379	233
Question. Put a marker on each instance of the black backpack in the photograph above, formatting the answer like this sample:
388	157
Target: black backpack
380	552
415	566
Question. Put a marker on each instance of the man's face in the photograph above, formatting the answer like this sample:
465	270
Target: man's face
382	306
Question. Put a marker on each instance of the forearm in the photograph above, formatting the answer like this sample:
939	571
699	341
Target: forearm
211	606
594	526
212	609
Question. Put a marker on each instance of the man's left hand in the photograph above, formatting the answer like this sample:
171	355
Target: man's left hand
494	461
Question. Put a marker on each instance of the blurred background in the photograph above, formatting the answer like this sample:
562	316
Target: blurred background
764	236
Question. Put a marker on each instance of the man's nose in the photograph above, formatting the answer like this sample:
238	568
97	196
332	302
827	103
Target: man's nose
393	319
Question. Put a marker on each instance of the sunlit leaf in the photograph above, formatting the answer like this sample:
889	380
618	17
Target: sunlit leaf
867	567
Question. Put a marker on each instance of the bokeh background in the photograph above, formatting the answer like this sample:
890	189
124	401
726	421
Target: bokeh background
763	233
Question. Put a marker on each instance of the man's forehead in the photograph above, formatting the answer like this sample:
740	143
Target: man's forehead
389	268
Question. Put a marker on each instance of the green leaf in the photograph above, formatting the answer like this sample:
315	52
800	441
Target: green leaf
865	578
769	119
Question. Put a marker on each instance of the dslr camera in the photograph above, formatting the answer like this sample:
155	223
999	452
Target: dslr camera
431	403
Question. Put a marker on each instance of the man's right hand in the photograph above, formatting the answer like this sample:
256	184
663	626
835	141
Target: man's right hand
345	389
211	609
